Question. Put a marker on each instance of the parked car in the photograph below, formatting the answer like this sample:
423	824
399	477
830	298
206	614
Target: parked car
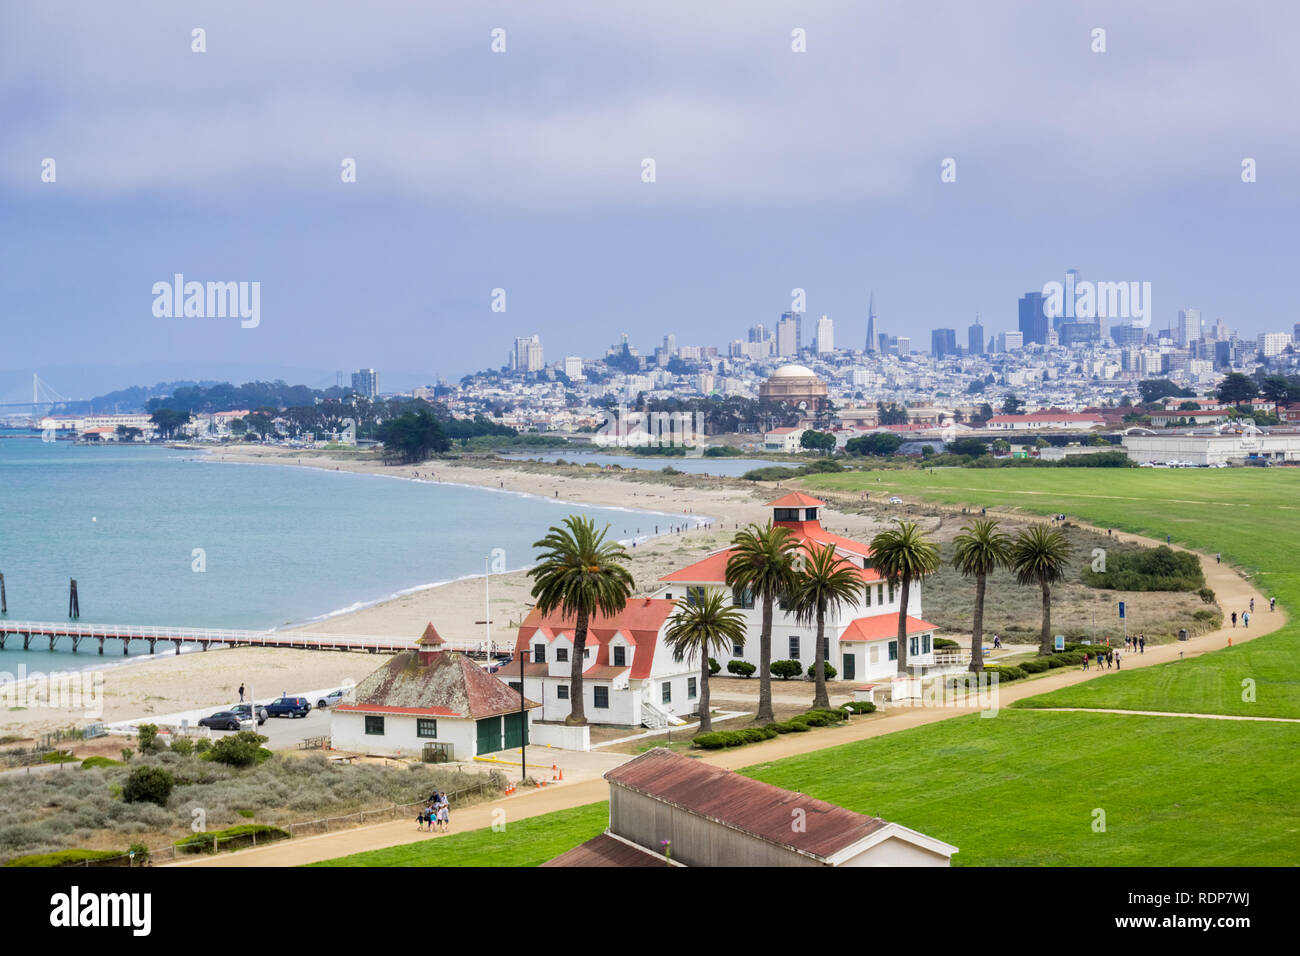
245	712
895	500
289	707
221	720
330	699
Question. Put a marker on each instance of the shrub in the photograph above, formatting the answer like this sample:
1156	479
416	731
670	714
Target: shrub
815	720
126	754
942	643
182	746
786	669
798	725
63	857
147	737
207	842
92	762
714	667
740	668
141	853
1206	595
151	784
827	668
202	746
238	750
1036	665
782	728
861	707
1007	672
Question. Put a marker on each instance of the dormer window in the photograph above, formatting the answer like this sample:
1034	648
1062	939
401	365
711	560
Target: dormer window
562	654
620	655
785	514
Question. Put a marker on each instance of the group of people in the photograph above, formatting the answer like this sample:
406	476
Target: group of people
1135	642
1108	656
436	813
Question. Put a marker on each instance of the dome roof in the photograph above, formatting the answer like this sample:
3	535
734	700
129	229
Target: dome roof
793	371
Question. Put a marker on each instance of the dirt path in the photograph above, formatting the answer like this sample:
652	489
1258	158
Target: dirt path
1232	590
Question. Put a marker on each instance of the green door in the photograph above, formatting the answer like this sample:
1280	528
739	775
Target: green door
489	735
513	737
850	667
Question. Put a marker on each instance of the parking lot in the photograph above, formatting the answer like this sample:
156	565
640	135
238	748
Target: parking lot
286	733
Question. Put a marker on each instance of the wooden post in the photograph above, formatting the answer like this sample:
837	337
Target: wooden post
4	604
74	606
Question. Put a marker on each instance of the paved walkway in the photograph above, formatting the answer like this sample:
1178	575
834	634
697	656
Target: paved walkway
1231	589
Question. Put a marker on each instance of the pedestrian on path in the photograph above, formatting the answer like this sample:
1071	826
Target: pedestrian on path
1117	660
1085	660
241	693
1252	605
1218	557
1234	618
1142	642
1272	604
1245	619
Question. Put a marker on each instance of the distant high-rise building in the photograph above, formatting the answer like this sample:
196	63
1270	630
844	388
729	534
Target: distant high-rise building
797	319
1008	341
873	345
1034	326
1128	336
825	335
573	367
528	354
670	344
903	345
365	382
975	338
943	342
1272	343
1189	326
787	335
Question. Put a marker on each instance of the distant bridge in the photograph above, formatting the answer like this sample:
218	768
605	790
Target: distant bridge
208	637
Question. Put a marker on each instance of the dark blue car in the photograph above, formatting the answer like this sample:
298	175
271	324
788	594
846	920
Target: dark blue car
289	707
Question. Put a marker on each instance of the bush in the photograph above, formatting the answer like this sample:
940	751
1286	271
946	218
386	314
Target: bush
782	728
148	784
182	746
1036	665
740	668
942	643
714	667
1007	672
147	737
207	842
202	746
92	762
827	668
786	669
63	857
141	853
238	750
798	725
861	707
1206	595
1151	569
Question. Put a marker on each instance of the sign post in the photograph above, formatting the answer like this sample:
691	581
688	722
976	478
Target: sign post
1060	642
1125	620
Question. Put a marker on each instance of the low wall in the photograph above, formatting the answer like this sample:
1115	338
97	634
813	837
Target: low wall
558	735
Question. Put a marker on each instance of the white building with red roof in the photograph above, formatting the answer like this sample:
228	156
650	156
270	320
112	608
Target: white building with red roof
1037	420
630	678
861	642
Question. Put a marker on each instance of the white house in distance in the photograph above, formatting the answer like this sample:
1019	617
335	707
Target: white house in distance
861	642
783	440
431	698
707	816
1037	420
631	677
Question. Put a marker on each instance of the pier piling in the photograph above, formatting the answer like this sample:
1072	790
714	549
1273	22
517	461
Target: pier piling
4	603
74	606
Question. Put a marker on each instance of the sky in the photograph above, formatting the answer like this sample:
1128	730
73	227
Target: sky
524	170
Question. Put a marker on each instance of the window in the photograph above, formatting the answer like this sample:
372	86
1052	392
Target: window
737	650
667	692
695	594
562	655
690	688
677	655
375	726
891	592
868	602
826	648
620	655
794	648
517	686
600	697
586	653
426	727
880	594
912	644
785	514
742	597
539	653
893	650
562	691
925	644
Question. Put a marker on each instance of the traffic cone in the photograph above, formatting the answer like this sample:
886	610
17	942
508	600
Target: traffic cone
555	772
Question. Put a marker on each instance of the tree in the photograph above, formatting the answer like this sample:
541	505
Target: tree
697	628
890	414
786	669
1154	389
904	554
824	583
127	433
761	564
1001	446
979	551
148	785
878	444
1278	390
237	750
1012	405
581	575
168	421
817	441
1040	556
413	437
971	447
1236	388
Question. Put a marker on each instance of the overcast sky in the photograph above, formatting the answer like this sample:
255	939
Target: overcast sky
522	171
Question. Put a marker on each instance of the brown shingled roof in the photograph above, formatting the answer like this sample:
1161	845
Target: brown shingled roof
450	680
430	637
749	805
605	850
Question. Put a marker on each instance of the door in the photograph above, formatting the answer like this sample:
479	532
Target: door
513	736
850	667
489	735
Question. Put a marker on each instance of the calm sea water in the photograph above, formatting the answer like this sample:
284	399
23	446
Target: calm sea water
280	544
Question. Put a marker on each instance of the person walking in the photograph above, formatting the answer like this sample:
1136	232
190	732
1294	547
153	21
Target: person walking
1245	619
1252	605
1110	659
1272	604
1116	660
1142	643
1085	660
241	693
1218	557
1234	618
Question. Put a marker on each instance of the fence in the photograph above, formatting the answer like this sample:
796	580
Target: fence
324	825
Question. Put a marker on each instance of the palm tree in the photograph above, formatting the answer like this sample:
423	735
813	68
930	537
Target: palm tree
980	550
762	563
580	574
825	582
904	554
1040	556
705	625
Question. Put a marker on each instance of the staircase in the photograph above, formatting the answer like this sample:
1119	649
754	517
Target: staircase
656	718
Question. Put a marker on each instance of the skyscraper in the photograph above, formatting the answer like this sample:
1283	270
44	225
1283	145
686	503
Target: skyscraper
873	345
943	342
787	335
1033	319
825	335
528	354
797	319
365	382
975	337
1189	326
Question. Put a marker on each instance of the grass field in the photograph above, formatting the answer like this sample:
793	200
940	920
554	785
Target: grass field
1021	789
529	842
1251	515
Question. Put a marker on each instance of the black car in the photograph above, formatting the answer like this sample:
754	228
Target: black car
289	707
244	712
221	720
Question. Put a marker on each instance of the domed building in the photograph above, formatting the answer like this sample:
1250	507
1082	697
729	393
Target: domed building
797	386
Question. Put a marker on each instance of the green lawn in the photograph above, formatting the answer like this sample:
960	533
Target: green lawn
1251	515
1020	789
529	842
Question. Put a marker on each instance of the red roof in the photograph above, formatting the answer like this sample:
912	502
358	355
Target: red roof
381	709
753	807
713	569
640	621
430	637
795	499
1046	417
881	626
606	850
